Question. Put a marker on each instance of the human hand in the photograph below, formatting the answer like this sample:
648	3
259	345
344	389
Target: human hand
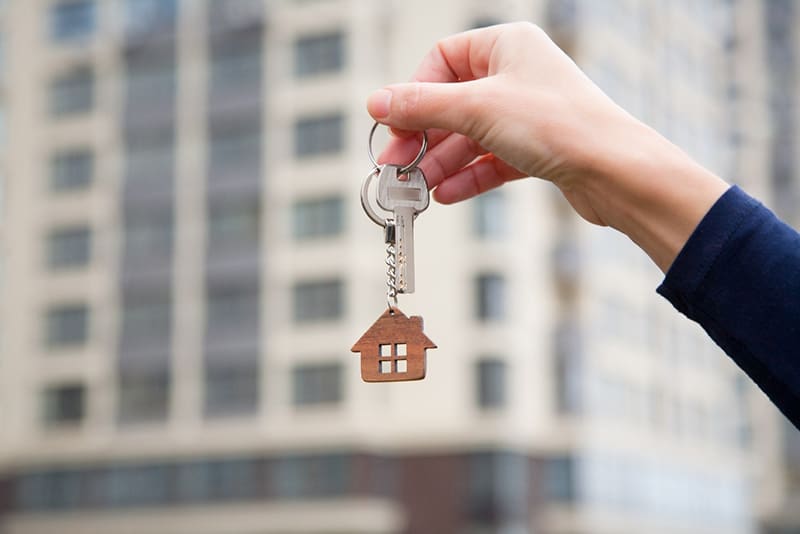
505	102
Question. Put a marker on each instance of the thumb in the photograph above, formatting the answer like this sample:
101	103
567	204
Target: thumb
419	106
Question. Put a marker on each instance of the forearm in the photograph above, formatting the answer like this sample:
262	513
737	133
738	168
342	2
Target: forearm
651	191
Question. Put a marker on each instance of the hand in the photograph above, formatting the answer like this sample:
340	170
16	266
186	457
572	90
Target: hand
505	102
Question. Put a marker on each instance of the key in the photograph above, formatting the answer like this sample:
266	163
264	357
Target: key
405	199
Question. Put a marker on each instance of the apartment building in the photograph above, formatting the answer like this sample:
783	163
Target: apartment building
190	264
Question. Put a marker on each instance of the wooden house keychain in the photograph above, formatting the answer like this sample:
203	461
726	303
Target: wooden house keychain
394	348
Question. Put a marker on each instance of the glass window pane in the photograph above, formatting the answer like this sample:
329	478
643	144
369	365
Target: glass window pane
68	247
143	395
318	301
146	16
150	157
234	223
72	20
146	322
64	404
491	383
317	136
73	92
491	296
148	234
71	170
319	54
231	388
319	217
490	214
67	325
235	148
317	384
232	309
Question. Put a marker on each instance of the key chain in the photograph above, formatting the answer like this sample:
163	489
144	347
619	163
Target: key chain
394	348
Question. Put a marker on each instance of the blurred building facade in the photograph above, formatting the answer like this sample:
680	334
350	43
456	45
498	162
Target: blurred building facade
189	266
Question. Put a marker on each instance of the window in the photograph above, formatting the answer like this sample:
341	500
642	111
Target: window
235	66
318	217
143	395
72	20
490	214
393	358
498	485
145	16
559	479
68	247
317	384
64	404
234	223
319	54
491	383
311	476
150	157
232	309
235	147
71	170
231	388
146	321
490	298
319	135
148	235
150	82
318	301
67	325
73	92
137	485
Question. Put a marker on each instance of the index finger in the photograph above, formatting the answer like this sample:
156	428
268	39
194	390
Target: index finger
461	57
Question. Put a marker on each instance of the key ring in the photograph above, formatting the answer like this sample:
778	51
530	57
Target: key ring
403	170
374	217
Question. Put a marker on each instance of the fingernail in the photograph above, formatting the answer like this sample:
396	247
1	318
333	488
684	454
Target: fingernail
379	103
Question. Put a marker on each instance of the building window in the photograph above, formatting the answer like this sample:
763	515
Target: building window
143	395
311	476
231	388
150	157
146	322
490	214
147	16
73	92
68	247
67	325
317	218
235	148
235	66
232	309
234	223
72	20
491	383
558	481
64	404
318	301
317	384
71	170
316	136
150	83
148	234
319	54
491	297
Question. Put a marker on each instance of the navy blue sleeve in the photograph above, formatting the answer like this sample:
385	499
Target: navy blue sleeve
738	275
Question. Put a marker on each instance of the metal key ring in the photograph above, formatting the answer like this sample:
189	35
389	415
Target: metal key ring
365	199
408	167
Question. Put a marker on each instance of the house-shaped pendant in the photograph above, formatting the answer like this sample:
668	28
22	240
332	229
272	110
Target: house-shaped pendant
393	349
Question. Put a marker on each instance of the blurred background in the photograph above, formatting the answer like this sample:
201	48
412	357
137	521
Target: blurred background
185	266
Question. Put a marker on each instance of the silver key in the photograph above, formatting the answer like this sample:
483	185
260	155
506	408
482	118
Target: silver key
406	199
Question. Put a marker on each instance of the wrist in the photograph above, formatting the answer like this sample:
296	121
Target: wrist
652	191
